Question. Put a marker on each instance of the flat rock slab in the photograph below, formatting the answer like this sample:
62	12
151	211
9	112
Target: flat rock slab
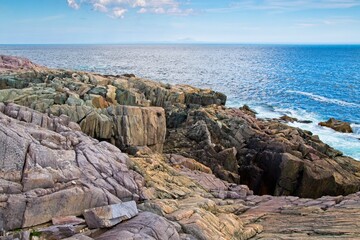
108	216
144	226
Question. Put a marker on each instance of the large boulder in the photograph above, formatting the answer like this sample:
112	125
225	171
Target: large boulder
108	216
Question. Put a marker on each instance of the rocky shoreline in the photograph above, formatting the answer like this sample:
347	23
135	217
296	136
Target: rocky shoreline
89	156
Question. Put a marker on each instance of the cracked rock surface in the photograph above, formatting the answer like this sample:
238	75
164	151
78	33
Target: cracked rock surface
50	168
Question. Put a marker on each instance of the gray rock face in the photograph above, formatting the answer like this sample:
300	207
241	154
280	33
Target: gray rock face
108	216
144	226
49	168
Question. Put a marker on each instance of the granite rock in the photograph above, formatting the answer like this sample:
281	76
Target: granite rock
108	216
53	169
144	226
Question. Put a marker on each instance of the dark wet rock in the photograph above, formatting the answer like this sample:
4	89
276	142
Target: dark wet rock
269	157
337	125
129	75
305	121
286	118
248	110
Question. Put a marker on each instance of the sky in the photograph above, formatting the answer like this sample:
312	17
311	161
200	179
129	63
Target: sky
179	21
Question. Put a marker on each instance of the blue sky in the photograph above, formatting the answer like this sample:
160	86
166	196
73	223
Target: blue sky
213	21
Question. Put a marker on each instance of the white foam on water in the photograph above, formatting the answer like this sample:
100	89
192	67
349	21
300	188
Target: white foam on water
325	99
356	128
348	143
266	112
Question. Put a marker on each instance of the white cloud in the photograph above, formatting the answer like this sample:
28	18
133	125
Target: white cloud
118	12
142	10
159	10
119	7
73	4
139	3
177	11
99	7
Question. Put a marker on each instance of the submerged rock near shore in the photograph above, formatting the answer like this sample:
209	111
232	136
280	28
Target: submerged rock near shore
89	156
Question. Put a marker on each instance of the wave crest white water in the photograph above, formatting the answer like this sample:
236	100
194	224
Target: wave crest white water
356	129
325	99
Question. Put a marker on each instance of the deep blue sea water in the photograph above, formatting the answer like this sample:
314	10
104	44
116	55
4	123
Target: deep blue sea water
310	82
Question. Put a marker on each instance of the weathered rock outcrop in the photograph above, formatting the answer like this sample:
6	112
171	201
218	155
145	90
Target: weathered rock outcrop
337	125
16	63
268	156
186	192
124	126
93	101
49	168
186	200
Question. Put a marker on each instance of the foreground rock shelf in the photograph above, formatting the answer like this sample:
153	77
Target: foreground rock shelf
87	156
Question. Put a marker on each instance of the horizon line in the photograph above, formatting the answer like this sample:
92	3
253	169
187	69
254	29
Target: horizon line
195	42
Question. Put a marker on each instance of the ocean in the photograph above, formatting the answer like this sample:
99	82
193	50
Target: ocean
309	82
